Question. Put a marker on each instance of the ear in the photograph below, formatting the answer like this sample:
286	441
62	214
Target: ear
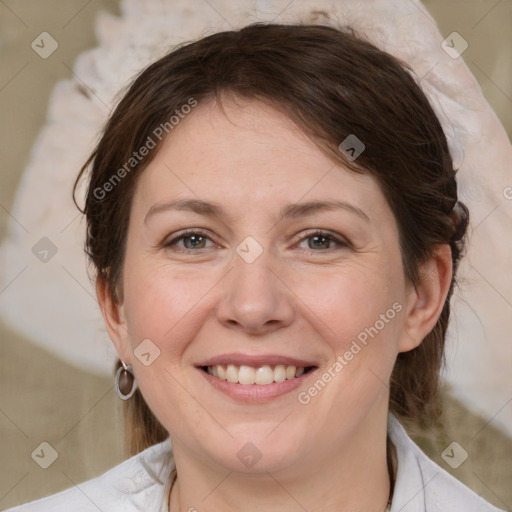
114	317
426	301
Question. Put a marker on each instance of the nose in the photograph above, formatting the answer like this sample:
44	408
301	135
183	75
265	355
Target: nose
255	299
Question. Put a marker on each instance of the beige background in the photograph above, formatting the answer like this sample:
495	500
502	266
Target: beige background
44	399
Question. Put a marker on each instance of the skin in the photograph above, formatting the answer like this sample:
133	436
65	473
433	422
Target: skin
299	298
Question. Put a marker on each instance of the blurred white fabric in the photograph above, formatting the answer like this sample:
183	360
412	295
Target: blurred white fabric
50	298
145	478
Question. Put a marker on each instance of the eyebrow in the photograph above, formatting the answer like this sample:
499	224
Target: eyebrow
290	211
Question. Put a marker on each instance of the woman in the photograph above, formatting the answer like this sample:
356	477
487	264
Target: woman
272	214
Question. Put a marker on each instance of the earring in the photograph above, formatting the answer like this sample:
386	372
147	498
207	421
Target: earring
125	382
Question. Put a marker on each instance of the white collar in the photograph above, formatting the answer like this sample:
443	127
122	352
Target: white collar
420	484
409	492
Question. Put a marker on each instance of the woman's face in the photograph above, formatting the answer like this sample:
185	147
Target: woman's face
252	285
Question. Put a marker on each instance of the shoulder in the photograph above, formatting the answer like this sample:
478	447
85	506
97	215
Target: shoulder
130	486
422	485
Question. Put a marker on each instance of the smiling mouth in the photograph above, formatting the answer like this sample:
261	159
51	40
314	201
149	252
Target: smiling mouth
262	375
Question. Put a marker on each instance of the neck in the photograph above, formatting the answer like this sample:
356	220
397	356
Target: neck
351	476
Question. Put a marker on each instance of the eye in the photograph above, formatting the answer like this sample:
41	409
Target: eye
318	240
192	239
195	239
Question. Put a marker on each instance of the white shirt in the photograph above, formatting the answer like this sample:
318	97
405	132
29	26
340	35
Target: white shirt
141	483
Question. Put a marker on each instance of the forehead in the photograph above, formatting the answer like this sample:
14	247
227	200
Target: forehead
248	156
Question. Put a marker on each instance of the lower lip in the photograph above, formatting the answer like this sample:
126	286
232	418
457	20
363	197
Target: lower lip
255	393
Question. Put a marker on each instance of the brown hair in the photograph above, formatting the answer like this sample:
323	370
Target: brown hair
332	84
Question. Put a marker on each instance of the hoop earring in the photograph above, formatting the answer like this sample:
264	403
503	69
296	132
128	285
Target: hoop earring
125	382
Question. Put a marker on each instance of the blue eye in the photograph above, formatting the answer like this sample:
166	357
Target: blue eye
194	240
321	239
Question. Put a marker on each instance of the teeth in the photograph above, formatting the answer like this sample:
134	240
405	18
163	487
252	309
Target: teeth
262	375
232	373
280	373
246	375
291	372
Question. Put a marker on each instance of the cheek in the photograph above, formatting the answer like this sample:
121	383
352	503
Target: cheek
160	302
359	312
347	301
165	307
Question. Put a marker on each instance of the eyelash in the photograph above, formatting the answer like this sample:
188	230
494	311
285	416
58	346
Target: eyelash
317	232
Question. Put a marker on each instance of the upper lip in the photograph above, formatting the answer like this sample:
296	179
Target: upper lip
255	360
